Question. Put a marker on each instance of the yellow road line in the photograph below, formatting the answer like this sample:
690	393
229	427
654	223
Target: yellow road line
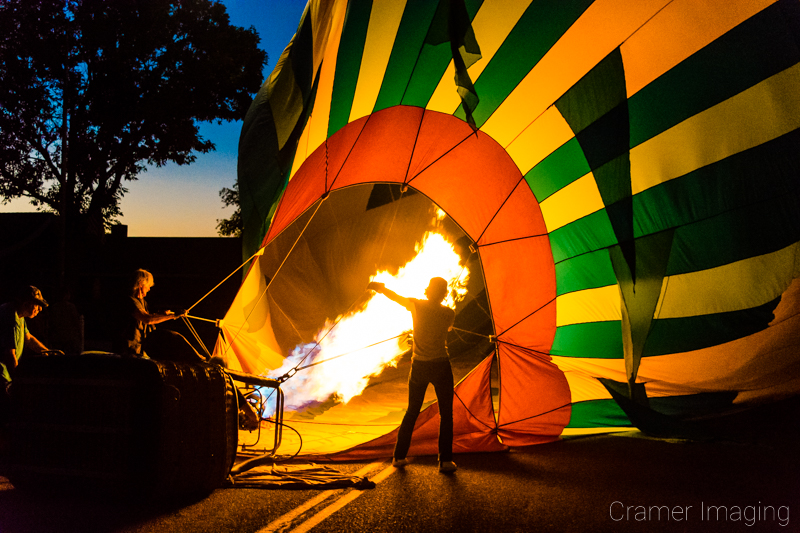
344	498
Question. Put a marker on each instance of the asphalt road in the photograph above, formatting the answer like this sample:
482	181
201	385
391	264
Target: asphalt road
603	483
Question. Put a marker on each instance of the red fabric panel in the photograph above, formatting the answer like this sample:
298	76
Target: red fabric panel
438	134
520	278
473	423
309	182
534	397
305	188
536	332
519	217
384	148
470	182
340	148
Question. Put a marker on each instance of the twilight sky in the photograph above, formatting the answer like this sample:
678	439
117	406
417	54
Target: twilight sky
183	201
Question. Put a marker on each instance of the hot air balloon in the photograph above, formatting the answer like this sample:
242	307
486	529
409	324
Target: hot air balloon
615	184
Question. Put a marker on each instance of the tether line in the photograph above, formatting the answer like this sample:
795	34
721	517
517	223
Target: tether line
523	319
511	240
224	280
534	416
315	363
264	292
473	333
196	335
293	371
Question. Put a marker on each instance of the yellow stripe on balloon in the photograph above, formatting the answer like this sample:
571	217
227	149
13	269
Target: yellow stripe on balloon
584	387
603	27
755	116
736	286
384	22
316	130
540	139
575	201
678	31
492	24
600	368
589	305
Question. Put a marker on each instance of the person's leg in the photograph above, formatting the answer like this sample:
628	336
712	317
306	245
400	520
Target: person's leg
442	379
417	383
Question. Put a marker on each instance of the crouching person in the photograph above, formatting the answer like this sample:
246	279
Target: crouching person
16	339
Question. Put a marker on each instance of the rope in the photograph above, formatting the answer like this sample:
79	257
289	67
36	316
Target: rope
196	336
534	416
224	280
315	363
238	331
200	318
513	239
527	316
490	337
293	371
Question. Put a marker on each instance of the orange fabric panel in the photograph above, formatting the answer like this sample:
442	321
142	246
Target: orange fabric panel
438	134
536	331
519	217
534	398
305	189
383	149
314	177
515	293
470	182
676	32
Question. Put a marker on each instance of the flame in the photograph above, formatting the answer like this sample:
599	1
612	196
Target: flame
353	348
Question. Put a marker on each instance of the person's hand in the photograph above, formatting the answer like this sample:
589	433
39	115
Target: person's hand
375	286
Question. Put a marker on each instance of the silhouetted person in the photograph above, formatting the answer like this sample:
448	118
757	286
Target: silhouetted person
136	320
430	363
15	337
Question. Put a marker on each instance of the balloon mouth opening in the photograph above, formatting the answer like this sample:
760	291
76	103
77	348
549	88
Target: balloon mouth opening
321	264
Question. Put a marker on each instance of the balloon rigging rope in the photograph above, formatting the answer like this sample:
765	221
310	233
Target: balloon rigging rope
294	370
223	281
527	316
195	334
394	217
283	262
554	409
315	363
473	333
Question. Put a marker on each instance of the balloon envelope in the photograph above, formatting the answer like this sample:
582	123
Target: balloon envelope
625	174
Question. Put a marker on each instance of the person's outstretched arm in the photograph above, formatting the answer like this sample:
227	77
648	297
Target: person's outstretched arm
393	296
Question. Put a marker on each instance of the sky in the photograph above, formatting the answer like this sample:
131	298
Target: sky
183	201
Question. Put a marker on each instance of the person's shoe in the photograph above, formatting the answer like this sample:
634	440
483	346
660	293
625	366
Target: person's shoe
447	467
399	463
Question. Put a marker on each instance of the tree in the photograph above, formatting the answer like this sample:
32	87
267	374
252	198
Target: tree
231	227
93	91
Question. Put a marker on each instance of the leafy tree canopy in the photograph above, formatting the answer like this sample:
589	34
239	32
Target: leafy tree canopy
93	91
231	227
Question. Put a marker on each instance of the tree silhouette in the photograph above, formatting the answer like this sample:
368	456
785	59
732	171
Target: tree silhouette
93	91
232	226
